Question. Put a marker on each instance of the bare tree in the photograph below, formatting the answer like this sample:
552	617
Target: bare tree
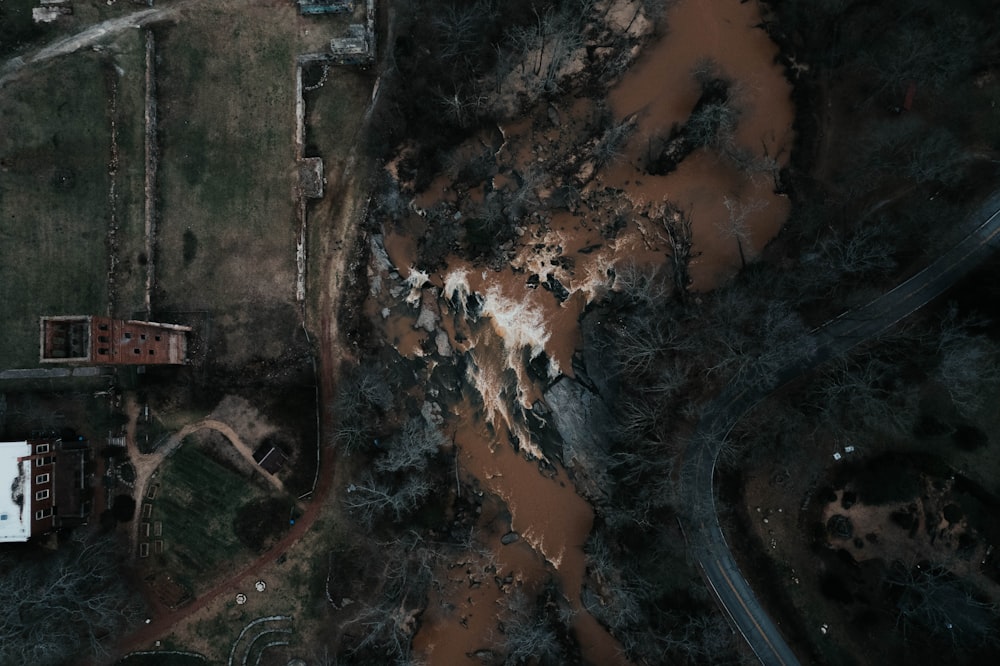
676	224
454	105
371	498
754	341
968	364
914	51
526	634
612	142
63	604
933	599
411	448
865	393
867	253
362	398
618	605
549	41
735	226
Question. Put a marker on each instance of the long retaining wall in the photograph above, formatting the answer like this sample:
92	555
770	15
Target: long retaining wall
152	156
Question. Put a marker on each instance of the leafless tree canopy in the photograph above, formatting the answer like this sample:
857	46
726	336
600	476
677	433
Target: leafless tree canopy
67	603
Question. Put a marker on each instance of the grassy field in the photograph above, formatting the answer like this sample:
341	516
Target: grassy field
226	226
196	504
226	238
54	208
130	272
55	182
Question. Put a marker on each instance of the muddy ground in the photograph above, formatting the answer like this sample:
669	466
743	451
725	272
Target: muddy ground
485	339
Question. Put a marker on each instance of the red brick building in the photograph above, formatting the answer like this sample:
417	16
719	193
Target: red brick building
92	340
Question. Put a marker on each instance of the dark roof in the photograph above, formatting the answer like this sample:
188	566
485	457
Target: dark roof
270	457
70	483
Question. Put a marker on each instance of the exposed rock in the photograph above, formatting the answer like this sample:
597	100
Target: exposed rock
431	411
509	538
556	287
430	313
441	340
597	368
582	421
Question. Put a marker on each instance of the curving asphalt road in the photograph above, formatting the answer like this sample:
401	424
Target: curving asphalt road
836	337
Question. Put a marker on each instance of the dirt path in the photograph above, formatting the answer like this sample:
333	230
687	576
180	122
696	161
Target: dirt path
242	448
88	37
340	215
164	619
147	464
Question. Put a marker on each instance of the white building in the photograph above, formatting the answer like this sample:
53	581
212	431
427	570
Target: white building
15	491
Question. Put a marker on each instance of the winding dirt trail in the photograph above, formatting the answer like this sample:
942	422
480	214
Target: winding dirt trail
147	464
342	214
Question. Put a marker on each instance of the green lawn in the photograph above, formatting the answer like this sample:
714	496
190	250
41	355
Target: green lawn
54	152
226	216
226	229
226	125
197	502
130	56
55	185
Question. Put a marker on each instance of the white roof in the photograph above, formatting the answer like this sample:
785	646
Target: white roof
15	491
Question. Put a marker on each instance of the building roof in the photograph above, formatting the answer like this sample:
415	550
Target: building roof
15	491
270	457
97	340
72	481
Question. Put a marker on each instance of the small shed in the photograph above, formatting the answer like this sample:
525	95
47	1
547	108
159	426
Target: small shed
270	457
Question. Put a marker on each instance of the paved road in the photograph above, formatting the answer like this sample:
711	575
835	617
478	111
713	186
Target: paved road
836	337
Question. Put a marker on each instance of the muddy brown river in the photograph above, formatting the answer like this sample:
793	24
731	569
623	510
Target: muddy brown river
517	323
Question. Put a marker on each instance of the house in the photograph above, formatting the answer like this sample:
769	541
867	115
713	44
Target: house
93	340
49	486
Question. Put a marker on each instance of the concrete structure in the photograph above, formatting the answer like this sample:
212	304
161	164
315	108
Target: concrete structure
352	49
44	485
50	10
307	7
91	340
311	179
358	47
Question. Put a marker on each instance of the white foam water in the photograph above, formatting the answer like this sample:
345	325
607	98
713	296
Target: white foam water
519	327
